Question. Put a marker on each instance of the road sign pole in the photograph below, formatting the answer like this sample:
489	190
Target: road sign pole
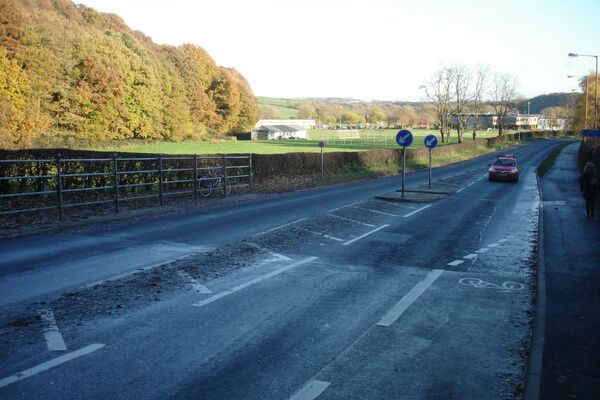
322	172
403	168
430	168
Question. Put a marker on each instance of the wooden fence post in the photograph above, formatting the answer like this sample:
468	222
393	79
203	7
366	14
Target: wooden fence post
224	175
196	177
250	170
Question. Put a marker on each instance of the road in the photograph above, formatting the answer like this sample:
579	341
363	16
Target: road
324	293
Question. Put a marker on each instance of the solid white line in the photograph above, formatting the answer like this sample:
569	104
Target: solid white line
470	184
253	282
200	288
345	206
460	190
54	339
280	227
50	364
375	211
455	263
261	248
409	298
311	390
416	211
365	235
337	239
470	256
482	250
350	220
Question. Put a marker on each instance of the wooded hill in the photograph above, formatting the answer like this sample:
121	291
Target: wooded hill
70	72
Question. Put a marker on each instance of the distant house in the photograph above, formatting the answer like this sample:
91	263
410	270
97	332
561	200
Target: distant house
276	132
274	129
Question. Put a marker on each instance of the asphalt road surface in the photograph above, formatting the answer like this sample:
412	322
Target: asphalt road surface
324	293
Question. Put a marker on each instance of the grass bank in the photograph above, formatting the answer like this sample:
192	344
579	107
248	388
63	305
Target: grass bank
548	162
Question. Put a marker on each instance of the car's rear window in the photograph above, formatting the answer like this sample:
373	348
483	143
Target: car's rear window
504	163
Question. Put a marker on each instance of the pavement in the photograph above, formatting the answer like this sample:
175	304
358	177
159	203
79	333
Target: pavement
570	359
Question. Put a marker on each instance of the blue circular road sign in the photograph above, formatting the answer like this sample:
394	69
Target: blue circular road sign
430	141
404	138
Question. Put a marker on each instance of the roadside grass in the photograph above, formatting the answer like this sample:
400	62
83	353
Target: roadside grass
548	162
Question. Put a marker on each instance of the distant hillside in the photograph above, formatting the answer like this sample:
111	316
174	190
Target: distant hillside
538	103
67	70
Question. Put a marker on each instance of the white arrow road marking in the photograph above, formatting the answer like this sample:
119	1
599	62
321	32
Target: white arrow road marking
200	288
49	364
54	339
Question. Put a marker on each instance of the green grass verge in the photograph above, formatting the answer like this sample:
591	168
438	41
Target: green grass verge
548	162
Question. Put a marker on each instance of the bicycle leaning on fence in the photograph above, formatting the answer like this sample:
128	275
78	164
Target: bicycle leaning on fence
213	182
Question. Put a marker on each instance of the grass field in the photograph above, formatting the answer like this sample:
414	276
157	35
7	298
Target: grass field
363	140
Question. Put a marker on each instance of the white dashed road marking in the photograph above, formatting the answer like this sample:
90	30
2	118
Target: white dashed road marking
470	256
365	235
493	245
311	390
350	220
253	282
54	339
455	263
337	239
482	250
416	211
376	211
406	301
49	364
460	190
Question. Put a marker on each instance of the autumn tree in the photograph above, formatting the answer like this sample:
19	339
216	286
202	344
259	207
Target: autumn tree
503	90
439	91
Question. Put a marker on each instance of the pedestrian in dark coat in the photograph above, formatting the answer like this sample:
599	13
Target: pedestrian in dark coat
589	186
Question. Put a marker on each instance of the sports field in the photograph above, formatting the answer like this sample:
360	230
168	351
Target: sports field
343	140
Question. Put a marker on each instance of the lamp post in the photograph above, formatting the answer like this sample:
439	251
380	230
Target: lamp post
528	103
596	89
586	93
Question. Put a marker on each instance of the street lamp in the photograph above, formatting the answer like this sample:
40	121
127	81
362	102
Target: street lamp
596	90
586	92
528	103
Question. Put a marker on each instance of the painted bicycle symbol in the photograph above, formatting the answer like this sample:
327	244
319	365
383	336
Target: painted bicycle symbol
479	284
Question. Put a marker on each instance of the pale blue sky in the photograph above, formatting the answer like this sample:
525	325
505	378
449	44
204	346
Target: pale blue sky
375	49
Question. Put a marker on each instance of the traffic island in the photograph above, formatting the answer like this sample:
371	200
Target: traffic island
415	195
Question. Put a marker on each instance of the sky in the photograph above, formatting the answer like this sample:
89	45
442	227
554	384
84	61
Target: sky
375	49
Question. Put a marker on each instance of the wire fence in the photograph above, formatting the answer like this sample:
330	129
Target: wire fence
58	184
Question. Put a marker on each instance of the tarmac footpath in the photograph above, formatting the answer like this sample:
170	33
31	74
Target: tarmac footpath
570	342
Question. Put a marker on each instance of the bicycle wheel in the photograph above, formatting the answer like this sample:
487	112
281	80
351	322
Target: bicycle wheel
224	186
206	185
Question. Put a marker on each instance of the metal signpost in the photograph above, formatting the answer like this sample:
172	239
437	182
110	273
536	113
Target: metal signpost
430	142
404	138
321	145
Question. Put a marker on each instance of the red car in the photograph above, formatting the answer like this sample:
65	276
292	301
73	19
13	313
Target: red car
504	168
